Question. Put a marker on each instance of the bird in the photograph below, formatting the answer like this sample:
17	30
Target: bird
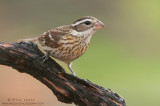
68	42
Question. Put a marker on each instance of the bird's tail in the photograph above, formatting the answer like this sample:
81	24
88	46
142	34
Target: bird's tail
34	40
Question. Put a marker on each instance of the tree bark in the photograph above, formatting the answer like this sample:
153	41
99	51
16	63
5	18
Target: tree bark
26	57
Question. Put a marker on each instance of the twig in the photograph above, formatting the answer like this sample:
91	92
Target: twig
26	57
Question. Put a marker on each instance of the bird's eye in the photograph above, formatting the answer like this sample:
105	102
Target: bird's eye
87	22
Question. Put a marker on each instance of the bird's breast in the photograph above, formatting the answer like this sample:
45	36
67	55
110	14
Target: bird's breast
70	50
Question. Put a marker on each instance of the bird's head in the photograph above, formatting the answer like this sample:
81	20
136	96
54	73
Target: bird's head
87	23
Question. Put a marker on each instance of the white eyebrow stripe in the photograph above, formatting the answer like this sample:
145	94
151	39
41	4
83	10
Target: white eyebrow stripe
81	22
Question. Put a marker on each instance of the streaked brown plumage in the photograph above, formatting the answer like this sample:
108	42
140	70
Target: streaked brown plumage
67	43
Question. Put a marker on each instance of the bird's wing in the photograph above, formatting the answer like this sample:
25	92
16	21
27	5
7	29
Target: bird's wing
52	37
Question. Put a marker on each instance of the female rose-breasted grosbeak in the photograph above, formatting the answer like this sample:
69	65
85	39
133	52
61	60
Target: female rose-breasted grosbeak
67	43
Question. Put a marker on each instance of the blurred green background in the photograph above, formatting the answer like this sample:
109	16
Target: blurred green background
124	56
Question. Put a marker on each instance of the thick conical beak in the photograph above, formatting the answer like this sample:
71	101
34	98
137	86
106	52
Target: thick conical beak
99	25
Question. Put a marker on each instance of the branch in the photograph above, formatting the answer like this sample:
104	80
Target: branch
25	57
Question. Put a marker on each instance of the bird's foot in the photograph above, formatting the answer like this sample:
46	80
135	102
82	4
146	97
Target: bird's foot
45	57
